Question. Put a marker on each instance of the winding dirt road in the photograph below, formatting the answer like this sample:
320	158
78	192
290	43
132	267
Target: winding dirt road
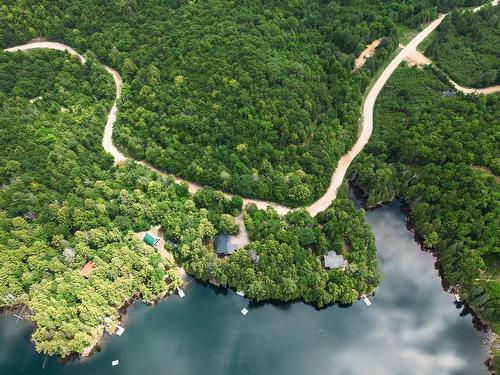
338	176
418	58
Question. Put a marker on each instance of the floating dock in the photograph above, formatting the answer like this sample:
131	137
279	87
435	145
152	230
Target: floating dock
244	311
180	292
115	362
119	330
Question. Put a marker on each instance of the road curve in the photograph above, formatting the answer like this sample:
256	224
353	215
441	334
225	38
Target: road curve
367	119
418	58
338	176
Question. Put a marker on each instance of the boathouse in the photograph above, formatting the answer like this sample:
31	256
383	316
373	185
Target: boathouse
332	260
214	282
87	269
151	239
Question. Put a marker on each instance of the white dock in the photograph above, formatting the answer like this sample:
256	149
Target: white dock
244	311
119	330
366	300
180	292
115	362
240	293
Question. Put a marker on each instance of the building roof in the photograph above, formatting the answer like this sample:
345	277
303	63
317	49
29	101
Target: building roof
224	245
151	239
214	282
87	269
332	260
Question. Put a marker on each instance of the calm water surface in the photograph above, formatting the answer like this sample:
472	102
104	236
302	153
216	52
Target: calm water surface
412	327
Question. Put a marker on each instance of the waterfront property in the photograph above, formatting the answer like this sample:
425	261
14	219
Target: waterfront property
203	332
151	239
225	245
332	260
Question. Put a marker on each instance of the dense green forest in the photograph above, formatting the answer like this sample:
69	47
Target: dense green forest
465	46
440	154
60	206
252	97
63	204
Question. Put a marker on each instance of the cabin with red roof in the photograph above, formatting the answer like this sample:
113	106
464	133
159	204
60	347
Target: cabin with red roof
87	269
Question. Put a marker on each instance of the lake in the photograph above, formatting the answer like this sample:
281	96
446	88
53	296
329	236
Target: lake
412	327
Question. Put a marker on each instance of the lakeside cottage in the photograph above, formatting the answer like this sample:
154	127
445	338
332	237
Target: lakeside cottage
87	269
224	245
332	260
151	239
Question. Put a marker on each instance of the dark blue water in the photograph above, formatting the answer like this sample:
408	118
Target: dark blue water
412	327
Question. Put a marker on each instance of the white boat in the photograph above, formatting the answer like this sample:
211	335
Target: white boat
366	300
240	293
115	362
244	311
457	298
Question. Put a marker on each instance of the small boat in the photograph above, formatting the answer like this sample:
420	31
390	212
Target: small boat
457	298
366	300
180	292
115	362
240	293
244	311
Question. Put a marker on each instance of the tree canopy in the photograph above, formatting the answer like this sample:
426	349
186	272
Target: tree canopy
465	46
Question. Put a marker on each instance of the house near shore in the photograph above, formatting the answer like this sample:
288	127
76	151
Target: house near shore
151	239
332	261
87	269
225	245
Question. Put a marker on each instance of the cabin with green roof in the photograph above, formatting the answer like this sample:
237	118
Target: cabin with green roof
151	239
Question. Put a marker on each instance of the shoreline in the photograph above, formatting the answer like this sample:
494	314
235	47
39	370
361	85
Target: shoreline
97	344
479	324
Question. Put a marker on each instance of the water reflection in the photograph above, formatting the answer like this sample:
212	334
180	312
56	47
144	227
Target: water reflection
412	327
